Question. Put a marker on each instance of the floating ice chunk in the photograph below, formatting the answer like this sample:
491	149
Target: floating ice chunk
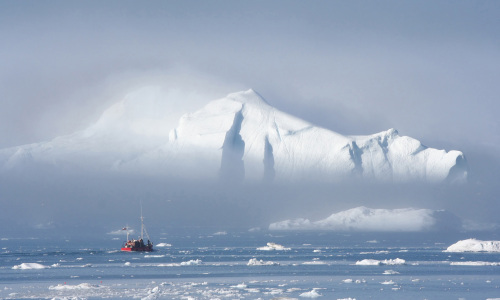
191	262
473	245
374	262
153	256
397	261
390	272
29	266
255	262
81	286
347	280
163	245
240	286
311	294
127	264
368	262
220	233
272	246
315	262
474	263
388	282
152	294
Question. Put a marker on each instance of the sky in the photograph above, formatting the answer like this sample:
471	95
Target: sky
430	69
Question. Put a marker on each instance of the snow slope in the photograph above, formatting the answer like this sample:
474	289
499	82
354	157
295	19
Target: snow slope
368	219
239	137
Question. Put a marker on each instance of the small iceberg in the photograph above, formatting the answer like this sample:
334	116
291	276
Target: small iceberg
272	246
473	245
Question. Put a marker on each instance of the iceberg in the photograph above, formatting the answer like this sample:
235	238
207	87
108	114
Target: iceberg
238	137
272	246
368	219
473	245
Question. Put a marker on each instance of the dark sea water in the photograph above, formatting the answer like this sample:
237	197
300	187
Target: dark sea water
198	265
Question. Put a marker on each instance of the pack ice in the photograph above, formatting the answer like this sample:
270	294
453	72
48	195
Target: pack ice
238	137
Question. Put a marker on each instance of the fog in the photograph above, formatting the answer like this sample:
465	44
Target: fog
429	69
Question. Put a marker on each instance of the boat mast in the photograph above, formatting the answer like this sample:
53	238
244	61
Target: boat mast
142	224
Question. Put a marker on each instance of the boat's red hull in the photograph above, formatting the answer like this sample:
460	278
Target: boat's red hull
147	249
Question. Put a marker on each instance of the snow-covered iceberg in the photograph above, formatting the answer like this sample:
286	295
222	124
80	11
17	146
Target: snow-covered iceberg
238	137
473	245
368	219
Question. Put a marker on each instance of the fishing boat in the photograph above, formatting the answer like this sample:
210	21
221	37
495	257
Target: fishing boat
138	245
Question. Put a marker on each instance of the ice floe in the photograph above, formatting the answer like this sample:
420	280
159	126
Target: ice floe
81	286
375	262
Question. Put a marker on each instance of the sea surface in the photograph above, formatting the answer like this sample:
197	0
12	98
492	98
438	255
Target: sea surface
229	265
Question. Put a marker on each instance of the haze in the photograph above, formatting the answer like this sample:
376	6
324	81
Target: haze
429	69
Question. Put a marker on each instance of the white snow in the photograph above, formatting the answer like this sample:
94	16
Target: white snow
369	219
29	266
255	262
473	245
163	245
272	246
137	135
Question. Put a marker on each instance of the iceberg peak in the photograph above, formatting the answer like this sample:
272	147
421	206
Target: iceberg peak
249	96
